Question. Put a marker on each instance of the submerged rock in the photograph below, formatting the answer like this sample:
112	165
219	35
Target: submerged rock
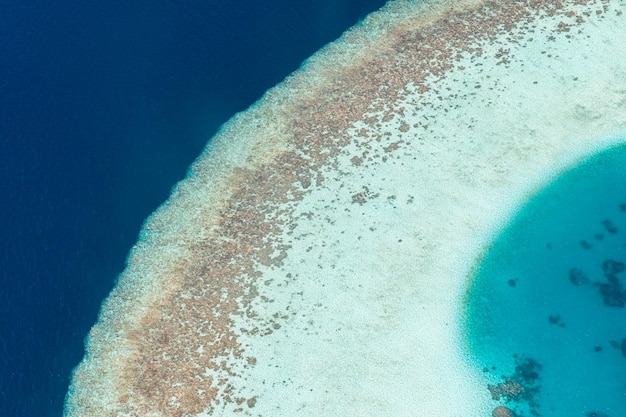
612	292
502	411
586	245
578	277
509	390
527	370
521	387
609	226
611	267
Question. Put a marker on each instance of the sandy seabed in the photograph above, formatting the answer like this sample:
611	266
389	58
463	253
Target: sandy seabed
315	259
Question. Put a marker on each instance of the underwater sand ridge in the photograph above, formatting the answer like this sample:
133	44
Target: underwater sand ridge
313	261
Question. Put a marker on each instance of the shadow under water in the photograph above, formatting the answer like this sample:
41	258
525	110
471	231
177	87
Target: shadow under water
545	310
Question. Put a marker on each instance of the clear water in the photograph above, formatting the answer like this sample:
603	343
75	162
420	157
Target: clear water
546	308
103	108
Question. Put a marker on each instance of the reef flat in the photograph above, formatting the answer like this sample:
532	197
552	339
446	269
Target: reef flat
314	260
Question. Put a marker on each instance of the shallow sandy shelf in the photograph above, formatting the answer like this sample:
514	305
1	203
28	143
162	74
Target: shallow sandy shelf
314	261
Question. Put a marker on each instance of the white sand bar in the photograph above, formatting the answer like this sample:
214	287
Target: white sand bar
315	259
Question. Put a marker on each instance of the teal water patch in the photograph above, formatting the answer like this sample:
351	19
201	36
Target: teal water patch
546	315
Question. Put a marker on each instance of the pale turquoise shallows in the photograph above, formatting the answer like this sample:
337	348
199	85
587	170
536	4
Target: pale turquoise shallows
546	307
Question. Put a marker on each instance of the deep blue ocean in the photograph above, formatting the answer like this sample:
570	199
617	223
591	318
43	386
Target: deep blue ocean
547	305
103	106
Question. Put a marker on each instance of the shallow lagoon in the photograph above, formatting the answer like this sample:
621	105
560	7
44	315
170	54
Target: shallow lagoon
546	305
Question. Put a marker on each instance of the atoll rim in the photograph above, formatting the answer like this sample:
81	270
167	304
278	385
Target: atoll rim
315	260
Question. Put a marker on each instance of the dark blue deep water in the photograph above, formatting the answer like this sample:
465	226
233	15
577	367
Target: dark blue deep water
547	306
103	106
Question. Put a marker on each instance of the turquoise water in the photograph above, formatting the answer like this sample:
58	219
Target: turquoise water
546	315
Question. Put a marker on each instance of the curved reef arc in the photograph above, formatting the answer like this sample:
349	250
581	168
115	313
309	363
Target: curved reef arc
314	260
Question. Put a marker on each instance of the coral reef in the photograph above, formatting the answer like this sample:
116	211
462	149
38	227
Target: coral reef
521	387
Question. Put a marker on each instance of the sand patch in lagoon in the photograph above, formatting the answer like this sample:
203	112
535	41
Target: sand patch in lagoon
314	261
